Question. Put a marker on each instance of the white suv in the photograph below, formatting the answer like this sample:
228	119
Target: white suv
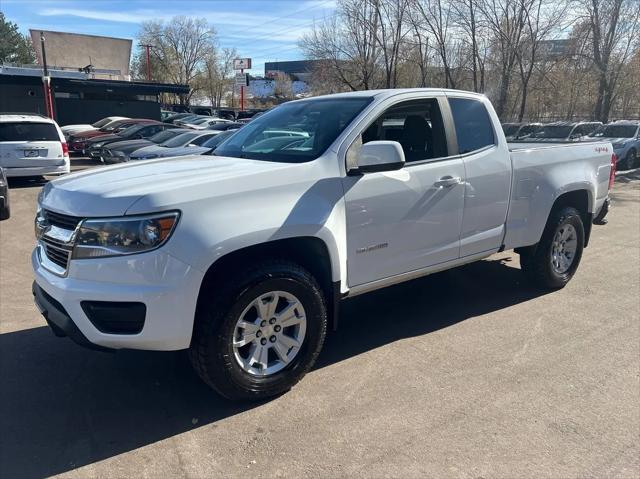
32	145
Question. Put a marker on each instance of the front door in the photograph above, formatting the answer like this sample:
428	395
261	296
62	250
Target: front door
408	219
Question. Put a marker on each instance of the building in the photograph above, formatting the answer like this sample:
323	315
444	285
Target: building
102	57
78	98
90	80
296	69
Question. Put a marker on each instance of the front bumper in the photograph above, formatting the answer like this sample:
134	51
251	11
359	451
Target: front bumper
58	319
166	286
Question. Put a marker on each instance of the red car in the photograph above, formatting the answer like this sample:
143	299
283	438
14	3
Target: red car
77	142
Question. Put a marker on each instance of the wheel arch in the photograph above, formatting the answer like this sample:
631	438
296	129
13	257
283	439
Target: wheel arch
310	252
581	200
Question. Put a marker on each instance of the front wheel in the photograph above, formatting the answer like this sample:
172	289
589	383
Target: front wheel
554	260
259	334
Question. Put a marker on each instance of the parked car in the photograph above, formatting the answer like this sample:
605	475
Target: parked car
564	131
209	145
227	114
176	116
119	151
242	258
68	130
231	125
205	123
94	147
178	146
32	145
78	141
5	210
520	131
625	137
189	119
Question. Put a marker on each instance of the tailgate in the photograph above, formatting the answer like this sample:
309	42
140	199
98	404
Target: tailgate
25	144
24	154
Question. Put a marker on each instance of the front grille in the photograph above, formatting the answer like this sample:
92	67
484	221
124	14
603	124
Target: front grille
56	252
61	221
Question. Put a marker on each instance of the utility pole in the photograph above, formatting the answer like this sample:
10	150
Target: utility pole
46	80
242	93
148	48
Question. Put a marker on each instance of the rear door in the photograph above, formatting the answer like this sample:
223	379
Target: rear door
487	165
30	144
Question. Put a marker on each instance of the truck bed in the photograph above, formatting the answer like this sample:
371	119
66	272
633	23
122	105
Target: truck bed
543	171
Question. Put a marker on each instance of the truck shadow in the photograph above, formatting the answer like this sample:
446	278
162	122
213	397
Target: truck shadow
63	407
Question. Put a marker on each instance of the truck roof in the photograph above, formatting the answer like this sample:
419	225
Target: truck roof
386	93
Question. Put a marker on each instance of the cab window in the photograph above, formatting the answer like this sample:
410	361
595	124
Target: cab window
416	124
474	129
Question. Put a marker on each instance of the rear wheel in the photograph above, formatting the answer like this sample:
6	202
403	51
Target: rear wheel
554	260
259	334
631	160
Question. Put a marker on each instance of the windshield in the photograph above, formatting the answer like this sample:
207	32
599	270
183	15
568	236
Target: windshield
101	123
528	129
510	129
200	121
163	136
554	131
294	132
219	138
115	125
615	131
180	140
132	130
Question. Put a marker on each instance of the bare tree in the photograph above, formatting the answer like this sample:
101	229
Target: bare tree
613	25
437	17
541	17
181	47
390	31
347	43
469	20
219	74
506	19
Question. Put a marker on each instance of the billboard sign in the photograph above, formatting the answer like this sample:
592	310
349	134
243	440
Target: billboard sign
242	63
242	79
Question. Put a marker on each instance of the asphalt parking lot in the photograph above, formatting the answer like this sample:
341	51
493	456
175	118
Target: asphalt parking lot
467	373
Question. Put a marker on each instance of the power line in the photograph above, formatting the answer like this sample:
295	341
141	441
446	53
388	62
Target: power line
274	32
291	14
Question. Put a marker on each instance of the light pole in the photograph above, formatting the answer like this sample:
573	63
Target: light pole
46	80
148	48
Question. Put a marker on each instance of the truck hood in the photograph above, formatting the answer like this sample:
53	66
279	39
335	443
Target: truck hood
111	191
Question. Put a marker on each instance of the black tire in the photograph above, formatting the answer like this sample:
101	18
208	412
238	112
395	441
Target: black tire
211	350
536	261
631	159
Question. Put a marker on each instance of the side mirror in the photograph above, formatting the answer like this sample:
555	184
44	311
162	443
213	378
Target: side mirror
378	156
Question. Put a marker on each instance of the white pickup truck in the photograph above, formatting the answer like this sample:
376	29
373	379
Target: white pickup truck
244	256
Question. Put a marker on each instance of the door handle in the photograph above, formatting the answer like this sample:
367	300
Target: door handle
448	181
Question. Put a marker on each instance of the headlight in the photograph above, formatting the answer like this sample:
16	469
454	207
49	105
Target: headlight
123	236
98	144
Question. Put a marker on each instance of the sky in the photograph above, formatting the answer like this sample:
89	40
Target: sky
264	30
